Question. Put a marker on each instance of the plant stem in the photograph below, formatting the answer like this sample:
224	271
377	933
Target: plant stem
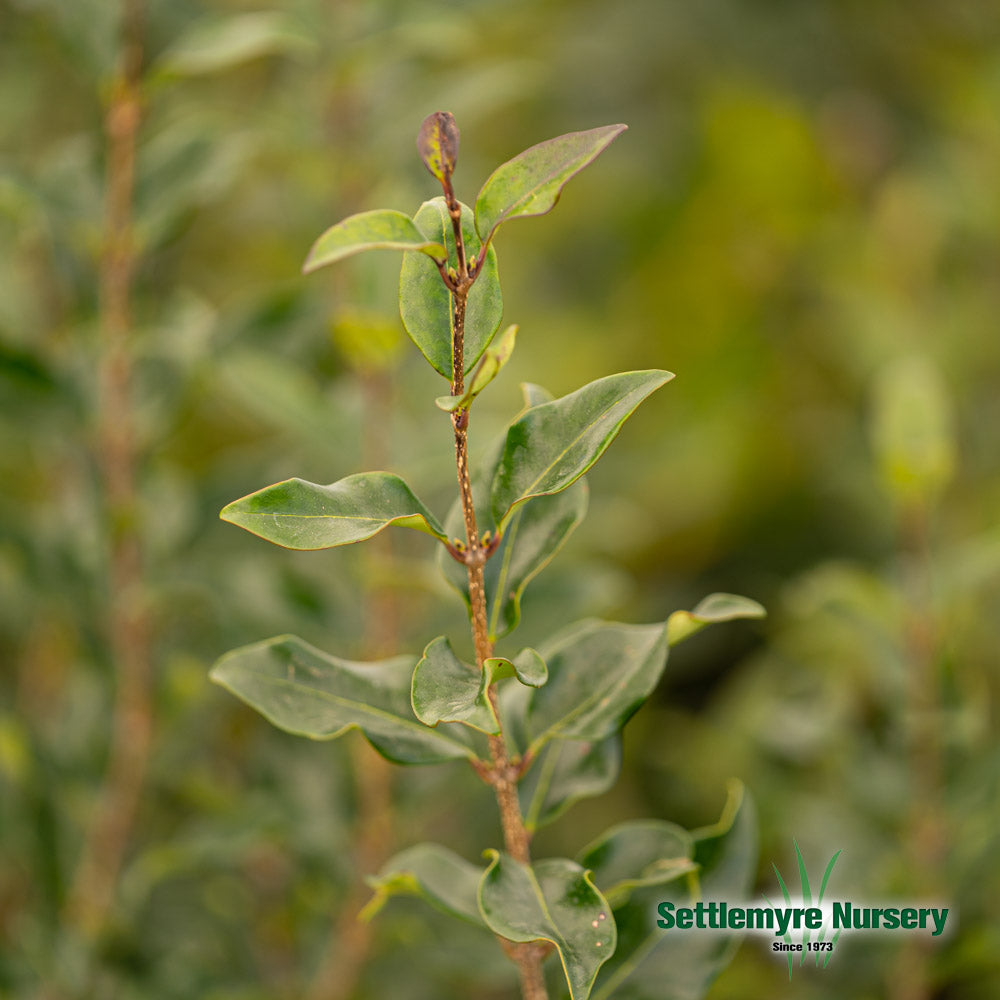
91	895
503	774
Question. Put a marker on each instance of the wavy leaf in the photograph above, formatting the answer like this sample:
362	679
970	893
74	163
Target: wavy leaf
381	229
553	900
709	611
551	445
530	183
301	515
426	305
653	964
445	689
307	692
435	874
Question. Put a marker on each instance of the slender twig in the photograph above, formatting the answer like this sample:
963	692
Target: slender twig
504	774
92	892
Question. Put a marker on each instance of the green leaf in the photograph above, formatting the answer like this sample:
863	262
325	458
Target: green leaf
495	357
437	144
712	609
381	229
551	445
307	692
301	515
528	667
636	854
216	44
564	772
536	531
530	184
599	674
553	900
445	689
434	873
653	964
426	305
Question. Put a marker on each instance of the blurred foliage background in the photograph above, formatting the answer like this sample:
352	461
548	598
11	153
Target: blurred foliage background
803	223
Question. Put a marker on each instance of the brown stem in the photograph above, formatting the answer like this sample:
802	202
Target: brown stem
91	894
502	774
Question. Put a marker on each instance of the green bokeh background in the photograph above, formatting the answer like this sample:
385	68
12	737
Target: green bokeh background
802	222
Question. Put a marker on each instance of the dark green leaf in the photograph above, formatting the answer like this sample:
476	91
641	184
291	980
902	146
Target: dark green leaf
310	693
301	515
381	229
565	771
653	964
437	144
447	690
636	854
530	184
553	900
599	674
551	445
434	873
426	305
536	531
714	608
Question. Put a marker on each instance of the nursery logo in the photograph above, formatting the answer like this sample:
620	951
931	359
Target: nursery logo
801	927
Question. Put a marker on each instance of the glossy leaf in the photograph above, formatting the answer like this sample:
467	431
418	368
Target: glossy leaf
381	229
530	183
566	771
426	305
653	964
301	515
599	674
445	689
709	611
636	854
307	692
553	900
536	531
494	358
550	446
435	874
437	144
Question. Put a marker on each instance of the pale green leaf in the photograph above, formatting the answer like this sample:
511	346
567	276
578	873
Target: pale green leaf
552	900
212	45
426	305
709	611
381	229
301	515
493	359
551	445
530	183
435	874
445	689
305	691
528	667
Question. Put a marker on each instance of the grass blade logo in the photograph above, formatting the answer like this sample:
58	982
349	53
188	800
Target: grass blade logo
822	949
